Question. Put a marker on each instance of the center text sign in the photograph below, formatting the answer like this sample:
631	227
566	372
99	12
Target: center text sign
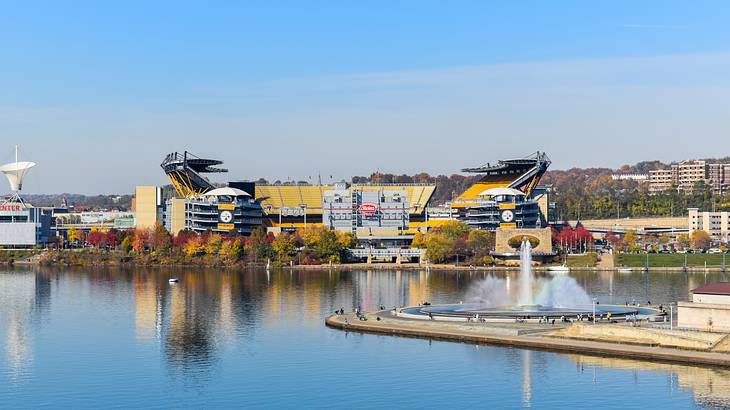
368	208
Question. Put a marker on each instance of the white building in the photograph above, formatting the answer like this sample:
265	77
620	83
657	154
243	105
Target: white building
630	177
709	309
717	224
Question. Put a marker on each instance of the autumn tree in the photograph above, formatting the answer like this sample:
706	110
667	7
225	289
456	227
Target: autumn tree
160	239
439	248
346	240
232	249
480	240
454	229
630	240
194	246
141	239
683	240
284	245
127	245
213	243
259	244
75	235
700	239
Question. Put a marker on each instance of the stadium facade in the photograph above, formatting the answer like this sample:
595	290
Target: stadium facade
381	216
291	207
506	195
220	210
199	205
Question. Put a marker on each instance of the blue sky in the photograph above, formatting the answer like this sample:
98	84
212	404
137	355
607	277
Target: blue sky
98	92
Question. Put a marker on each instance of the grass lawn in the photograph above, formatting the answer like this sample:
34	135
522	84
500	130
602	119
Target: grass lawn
670	260
581	261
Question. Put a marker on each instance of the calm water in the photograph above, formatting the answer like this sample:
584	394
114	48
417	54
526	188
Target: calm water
118	338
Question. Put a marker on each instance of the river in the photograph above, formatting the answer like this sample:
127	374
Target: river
99	338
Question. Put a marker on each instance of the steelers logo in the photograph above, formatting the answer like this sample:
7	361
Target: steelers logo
508	216
226	217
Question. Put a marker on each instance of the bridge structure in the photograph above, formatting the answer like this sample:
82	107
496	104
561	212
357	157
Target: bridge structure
641	226
396	255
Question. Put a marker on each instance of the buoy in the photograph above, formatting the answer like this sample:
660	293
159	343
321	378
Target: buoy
174	280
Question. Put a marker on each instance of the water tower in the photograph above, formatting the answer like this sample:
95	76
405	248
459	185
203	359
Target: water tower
15	172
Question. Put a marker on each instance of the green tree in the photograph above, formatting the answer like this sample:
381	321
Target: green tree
127	244
480	240
454	229
439	248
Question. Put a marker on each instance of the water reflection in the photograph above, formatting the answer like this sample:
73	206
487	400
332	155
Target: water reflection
710	386
25	300
195	323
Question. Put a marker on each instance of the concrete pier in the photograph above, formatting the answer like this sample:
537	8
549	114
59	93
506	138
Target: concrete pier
600	340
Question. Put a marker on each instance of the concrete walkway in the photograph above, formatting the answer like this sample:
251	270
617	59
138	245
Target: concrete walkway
489	334
606	262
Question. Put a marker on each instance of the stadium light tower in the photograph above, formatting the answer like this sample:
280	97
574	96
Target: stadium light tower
15	172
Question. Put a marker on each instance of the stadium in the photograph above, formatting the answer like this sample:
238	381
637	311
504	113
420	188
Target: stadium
506	195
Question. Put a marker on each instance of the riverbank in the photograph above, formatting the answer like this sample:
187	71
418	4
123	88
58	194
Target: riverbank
94	257
671	260
613	340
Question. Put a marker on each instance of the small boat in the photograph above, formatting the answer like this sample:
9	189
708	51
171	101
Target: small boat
559	269
174	280
625	270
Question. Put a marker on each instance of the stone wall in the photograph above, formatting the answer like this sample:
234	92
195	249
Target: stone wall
710	317
505	234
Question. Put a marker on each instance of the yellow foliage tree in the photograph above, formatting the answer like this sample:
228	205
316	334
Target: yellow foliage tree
284	245
213	245
194	246
75	235
346	240
232	250
700	239
419	240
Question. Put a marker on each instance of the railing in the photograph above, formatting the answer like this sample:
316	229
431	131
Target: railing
385	253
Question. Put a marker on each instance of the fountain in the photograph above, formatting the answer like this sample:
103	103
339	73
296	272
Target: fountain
536	298
526	279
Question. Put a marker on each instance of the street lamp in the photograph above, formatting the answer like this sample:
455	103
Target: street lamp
594	311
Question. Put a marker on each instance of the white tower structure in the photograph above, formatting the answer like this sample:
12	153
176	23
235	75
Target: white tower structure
15	172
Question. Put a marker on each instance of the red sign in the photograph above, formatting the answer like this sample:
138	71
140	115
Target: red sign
368	208
11	207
